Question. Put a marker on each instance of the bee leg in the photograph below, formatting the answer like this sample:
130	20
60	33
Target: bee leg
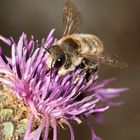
89	67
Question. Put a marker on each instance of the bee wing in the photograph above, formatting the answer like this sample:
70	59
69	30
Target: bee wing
71	18
105	58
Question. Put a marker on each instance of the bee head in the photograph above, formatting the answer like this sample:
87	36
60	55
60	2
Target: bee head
56	57
67	66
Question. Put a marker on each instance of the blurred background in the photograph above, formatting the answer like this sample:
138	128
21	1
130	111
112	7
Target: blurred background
117	23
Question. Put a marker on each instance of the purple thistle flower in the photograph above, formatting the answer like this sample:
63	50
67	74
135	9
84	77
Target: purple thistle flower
51	99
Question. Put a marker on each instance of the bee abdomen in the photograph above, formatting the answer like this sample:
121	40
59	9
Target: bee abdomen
90	43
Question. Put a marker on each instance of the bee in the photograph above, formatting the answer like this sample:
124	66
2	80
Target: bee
76	49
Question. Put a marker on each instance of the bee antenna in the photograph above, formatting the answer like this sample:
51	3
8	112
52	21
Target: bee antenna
46	49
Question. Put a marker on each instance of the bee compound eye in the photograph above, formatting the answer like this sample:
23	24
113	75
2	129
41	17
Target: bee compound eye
59	62
58	59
